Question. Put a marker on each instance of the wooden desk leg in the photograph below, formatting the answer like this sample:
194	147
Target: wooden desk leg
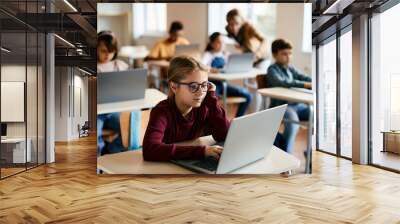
224	95
309	142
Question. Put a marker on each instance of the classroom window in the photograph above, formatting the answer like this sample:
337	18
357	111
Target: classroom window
327	97
307	31
385	86
149	19
346	94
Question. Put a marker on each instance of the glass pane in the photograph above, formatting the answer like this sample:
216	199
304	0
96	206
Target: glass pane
346	94
385	86
32	98
327	97
41	99
13	86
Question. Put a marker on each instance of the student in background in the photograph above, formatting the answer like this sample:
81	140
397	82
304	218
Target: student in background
283	74
248	38
191	111
165	48
215	57
110	126
107	53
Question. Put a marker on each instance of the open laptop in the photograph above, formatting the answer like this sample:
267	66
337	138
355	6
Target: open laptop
121	85
239	63
250	138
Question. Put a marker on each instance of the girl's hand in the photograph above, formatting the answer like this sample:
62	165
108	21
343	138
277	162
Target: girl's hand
307	85
213	151
214	70
239	48
211	86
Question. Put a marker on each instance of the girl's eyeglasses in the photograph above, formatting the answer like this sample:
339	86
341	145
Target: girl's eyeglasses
194	86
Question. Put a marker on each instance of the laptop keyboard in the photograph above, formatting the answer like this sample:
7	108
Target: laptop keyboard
209	163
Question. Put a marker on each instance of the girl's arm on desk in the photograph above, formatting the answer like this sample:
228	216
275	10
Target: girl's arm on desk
154	149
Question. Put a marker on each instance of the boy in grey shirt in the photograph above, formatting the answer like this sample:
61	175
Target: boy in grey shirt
283	74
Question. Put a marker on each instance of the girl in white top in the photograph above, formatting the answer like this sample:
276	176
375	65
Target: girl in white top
107	53
109	126
215	57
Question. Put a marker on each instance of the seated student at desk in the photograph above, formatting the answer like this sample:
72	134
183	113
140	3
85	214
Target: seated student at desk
216	58
165	48
191	111
112	127
283	74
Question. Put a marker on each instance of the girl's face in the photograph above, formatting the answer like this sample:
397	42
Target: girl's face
103	55
234	24
191	91
218	44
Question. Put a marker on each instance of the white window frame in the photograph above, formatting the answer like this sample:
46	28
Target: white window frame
141	14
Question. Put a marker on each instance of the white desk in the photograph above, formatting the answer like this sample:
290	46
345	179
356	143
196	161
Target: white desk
152	97
288	95
295	96
19	155
225	77
131	162
133	52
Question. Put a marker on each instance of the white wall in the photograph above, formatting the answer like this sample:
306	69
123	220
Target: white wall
68	83
118	18
33	127
17	73
61	103
194	18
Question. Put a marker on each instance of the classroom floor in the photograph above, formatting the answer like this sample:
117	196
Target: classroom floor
69	191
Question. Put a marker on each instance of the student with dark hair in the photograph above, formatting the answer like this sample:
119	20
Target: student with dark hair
165	48
191	111
248	38
107	53
283	74
215	57
110	126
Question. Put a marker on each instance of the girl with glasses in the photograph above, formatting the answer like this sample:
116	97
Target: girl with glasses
191	111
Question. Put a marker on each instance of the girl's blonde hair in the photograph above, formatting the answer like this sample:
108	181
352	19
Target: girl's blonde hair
182	66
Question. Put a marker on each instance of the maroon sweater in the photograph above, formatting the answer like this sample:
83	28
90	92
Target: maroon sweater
167	126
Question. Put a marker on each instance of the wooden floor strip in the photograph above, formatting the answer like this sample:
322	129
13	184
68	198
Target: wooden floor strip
69	191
